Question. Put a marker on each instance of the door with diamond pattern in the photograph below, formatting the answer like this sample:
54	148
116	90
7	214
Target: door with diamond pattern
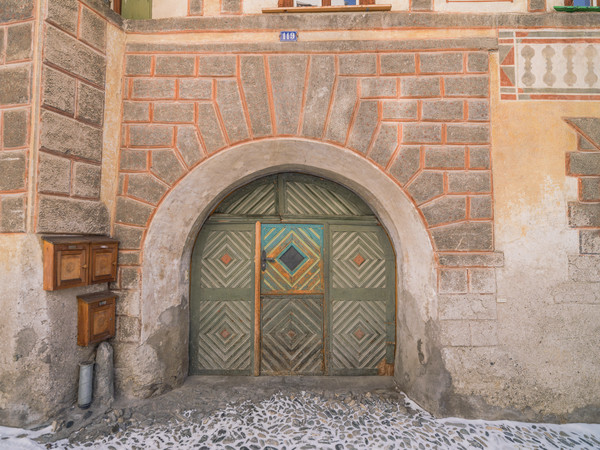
292	288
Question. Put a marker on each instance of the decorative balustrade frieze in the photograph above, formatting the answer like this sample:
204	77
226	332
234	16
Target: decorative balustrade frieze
549	64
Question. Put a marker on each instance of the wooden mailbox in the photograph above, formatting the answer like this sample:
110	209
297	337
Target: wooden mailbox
95	317
71	261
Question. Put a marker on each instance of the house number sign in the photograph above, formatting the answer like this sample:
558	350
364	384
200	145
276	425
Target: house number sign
288	36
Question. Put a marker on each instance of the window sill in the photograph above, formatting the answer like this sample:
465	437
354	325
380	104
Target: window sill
577	8
326	9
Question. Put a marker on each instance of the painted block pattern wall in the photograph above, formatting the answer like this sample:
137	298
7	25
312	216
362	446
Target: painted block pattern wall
16	67
420	114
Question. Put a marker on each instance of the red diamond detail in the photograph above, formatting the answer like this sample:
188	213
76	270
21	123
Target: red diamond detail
226	258
291	334
225	334
359	334
358	259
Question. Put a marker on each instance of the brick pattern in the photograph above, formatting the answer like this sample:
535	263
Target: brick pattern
72	116
422	117
584	214
16	53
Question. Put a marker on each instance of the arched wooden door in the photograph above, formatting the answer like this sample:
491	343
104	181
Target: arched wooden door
292	275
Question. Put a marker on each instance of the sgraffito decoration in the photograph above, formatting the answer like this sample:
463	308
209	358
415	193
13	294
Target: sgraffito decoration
549	65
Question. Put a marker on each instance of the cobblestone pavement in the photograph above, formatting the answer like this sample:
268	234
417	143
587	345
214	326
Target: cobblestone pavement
369	416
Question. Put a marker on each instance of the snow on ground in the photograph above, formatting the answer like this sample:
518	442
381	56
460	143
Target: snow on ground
311	421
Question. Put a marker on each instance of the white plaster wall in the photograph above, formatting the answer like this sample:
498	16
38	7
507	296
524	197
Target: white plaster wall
169	8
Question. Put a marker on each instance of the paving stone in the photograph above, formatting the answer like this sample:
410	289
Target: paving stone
150	135
584	214
54	174
288	73
59	90
426	133
484	333
154	88
446	209
583	163
479	157
584	144
482	281
589	241
2	47
74	56
407	163
13	165
132	159
189	145
467	306
138	65
589	189
364	126
136	111
584	268
445	157
421	5
145	187
452	281
127	258
129	237
195	89
318	94
358	64
132	212
174	112
69	215
495	259
231	6
195	7
90	104
440	62
14	84
210	128
254	85
479	110
177	65
455	333
477	62
467	86
166	166
442	110
128	329
467	134
64	13
217	66
377	87
474	181
230	106
16	127
400	109
345	98
93	29
481	207
420	87
426	186
67	136
12	214
464	236
19	42
397	63
385	144
86	180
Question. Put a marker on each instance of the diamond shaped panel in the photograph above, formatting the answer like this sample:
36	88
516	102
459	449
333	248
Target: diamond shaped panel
292	258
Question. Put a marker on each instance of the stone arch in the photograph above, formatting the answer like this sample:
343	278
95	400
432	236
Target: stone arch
160	360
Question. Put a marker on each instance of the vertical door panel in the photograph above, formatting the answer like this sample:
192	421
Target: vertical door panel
362	300
222	301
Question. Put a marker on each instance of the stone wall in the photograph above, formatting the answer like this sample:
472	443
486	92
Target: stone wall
16	71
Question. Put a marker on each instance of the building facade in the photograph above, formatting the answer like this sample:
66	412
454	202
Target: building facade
469	132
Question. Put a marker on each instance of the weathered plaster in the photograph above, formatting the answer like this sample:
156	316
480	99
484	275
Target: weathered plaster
115	50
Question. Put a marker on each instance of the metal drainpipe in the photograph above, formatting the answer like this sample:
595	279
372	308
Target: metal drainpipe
86	372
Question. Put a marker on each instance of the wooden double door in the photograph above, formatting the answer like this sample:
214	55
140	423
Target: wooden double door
292	299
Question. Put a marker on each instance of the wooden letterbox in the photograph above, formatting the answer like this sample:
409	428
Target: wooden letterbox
95	317
71	261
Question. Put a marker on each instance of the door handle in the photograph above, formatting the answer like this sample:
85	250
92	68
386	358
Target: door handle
264	259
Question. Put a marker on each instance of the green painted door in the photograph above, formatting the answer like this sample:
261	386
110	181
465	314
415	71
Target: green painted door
322	282
292	300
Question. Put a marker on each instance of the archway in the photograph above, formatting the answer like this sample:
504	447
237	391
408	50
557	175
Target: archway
178	219
292	275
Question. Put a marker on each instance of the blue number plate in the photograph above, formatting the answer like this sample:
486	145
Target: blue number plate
288	36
